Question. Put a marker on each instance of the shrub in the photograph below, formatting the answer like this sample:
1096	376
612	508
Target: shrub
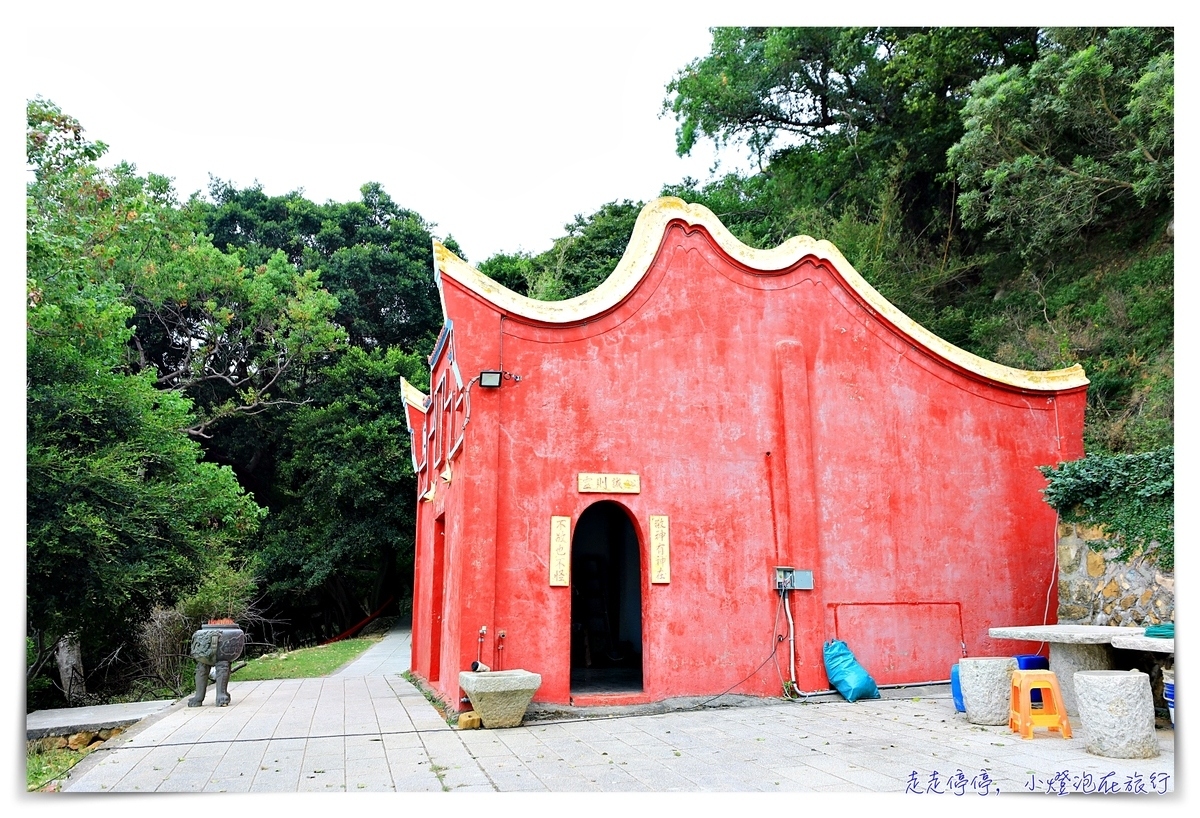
1132	496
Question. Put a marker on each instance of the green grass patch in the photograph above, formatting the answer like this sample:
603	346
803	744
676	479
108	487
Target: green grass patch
42	766
304	663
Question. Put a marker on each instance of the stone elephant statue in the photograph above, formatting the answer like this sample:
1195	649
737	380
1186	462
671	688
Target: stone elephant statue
215	646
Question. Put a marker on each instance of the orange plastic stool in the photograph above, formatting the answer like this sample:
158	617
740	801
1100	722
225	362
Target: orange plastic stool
1022	718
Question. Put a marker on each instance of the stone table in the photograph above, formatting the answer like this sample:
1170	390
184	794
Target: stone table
1136	641
1072	648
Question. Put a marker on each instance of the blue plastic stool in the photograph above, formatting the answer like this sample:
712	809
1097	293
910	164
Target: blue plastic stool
956	690
1033	661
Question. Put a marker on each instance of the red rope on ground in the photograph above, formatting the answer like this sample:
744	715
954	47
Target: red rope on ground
347	634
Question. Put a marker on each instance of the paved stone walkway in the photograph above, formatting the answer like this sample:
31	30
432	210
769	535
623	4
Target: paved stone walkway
367	729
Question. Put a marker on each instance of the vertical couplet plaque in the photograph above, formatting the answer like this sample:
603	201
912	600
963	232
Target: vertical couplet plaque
660	549
560	550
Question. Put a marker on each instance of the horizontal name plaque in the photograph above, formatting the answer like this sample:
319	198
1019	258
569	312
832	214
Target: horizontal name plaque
610	483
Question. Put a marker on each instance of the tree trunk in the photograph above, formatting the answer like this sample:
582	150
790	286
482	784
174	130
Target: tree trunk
70	667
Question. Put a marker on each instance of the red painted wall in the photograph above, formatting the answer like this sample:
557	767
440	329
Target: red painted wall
777	419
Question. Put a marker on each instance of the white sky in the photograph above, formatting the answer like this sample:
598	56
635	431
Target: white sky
498	122
497	135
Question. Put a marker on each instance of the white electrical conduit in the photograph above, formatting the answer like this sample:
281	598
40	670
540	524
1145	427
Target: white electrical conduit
787	608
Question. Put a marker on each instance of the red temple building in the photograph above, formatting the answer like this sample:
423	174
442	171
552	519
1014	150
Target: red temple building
612	488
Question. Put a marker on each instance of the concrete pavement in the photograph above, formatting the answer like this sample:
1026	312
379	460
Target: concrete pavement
367	729
391	657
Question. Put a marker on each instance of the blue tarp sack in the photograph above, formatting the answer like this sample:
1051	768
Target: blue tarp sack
846	674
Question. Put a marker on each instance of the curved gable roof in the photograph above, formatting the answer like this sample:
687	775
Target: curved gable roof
648	232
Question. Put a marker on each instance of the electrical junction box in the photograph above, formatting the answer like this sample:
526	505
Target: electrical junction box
788	578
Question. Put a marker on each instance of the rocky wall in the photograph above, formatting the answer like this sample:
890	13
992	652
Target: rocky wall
1095	589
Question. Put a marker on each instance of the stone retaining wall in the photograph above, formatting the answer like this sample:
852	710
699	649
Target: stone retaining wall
1095	589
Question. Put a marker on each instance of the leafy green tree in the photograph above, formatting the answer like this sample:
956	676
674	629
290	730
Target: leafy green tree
835	108
379	264
578	262
341	530
335	546
201	321
374	256
759	82
226	335
583	258
258	225
752	207
122	515
1082	136
514	270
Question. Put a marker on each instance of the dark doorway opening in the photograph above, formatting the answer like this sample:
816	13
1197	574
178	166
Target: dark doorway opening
606	602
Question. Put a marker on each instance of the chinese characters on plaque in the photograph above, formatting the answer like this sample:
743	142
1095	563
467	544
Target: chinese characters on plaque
560	550
660	549
610	483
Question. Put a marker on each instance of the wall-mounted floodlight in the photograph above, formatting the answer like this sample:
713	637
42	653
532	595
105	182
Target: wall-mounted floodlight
490	378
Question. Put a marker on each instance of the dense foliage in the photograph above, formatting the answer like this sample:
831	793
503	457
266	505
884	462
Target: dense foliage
578	262
1132	497
848	111
122	512
333	467
338	542
374	256
1059	146
214	423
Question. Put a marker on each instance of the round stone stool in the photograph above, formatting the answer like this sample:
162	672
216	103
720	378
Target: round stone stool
986	683
1116	709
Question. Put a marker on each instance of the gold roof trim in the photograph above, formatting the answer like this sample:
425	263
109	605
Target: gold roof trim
412	396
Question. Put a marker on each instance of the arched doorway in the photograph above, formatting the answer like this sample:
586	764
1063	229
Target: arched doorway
606	602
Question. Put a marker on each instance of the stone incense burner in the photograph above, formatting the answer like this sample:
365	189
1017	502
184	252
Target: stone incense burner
215	645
